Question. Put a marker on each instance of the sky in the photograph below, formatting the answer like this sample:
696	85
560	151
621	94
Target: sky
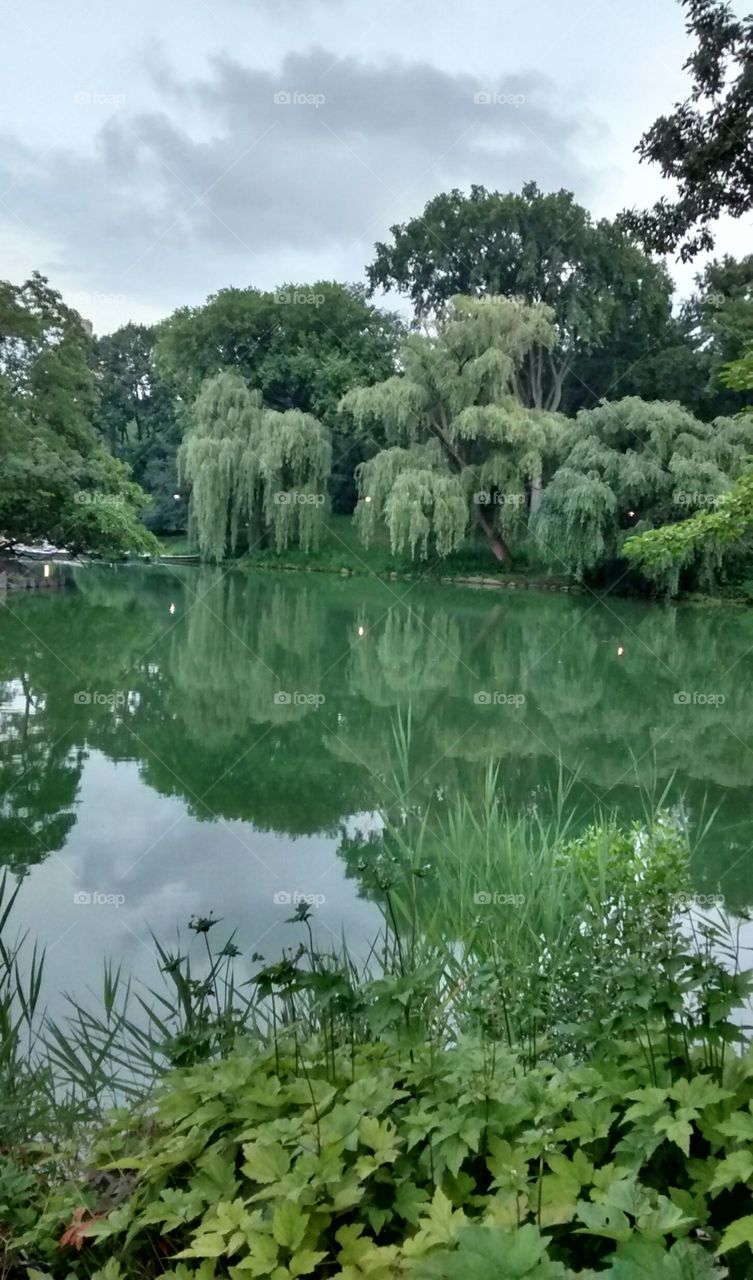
154	152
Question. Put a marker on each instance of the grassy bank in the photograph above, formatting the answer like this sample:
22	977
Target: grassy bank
546	1078
342	551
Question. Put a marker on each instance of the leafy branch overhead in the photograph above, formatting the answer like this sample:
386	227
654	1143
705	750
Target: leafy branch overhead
704	146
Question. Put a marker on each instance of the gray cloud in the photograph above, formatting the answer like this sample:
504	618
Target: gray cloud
238	174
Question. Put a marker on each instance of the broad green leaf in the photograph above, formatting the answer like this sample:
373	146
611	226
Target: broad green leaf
304	1261
677	1131
210	1245
639	1259
738	1232
738	1125
409	1201
440	1224
734	1168
698	1092
381	1137
487	1253
647	1102
265	1163
289	1224
604	1220
261	1258
559	1200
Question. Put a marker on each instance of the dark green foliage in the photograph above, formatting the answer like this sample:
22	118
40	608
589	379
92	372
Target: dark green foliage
302	347
57	482
611	304
141	421
704	145
718	318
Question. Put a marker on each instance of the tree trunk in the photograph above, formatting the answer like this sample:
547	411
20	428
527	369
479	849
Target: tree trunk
559	373
537	489
499	548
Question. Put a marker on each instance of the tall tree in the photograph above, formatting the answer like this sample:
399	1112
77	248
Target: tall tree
705	145
255	474
140	419
465	450
719	320
611	304
57	482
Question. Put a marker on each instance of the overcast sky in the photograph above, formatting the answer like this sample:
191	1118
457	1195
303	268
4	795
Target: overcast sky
155	151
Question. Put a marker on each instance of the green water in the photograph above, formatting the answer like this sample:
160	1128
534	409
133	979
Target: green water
179	741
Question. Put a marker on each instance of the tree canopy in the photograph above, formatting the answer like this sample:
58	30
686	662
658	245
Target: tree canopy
255	473
57	481
629	466
704	145
302	346
610	303
709	538
464	449
140	419
719	320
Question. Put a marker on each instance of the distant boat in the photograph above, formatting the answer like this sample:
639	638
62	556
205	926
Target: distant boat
179	559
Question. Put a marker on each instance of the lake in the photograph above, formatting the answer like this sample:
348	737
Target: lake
180	741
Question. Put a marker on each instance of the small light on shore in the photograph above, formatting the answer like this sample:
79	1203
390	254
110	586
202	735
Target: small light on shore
361	631
177	497
46	571
620	651
171	609
631	514
367	498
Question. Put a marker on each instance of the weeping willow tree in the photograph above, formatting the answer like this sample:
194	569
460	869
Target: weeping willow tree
463	450
709	540
632	466
256	475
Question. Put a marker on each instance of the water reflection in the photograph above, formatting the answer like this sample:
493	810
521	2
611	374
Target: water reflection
267	704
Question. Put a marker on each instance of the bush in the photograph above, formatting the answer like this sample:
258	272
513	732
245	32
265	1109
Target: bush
385	1162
